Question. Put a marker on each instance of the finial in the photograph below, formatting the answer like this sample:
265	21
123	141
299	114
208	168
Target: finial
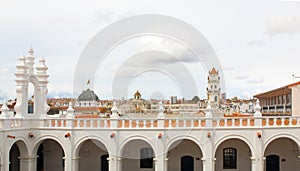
70	110
114	110
161	110
4	109
208	110
257	109
30	51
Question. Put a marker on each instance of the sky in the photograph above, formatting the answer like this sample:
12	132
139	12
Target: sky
257	43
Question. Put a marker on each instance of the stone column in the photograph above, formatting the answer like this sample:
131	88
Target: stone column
75	163
68	163
203	163
119	163
166	164
28	163
112	163
160	163
253	164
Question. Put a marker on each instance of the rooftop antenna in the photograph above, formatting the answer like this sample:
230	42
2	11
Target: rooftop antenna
295	77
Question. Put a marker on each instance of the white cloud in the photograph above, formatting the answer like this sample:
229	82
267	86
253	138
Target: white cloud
284	25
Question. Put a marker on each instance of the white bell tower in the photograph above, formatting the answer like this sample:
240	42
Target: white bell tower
213	89
26	74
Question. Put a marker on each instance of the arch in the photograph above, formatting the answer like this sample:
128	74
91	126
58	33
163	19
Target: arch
92	155
278	158
81	141
17	149
281	135
233	152
22	145
184	137
40	140
136	137
50	152
227	137
152	24
181	153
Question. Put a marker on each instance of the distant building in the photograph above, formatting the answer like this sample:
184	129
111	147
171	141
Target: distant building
71	142
281	101
213	89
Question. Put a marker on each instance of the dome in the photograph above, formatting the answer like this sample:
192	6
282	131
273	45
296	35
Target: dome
87	95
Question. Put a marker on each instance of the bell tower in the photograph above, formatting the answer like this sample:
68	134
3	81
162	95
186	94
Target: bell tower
27	73
213	89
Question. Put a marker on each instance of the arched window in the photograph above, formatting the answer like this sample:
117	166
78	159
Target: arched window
30	97
229	158
146	158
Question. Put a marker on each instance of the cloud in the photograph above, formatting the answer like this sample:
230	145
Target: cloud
284	25
255	80
104	17
59	94
256	43
3	95
242	77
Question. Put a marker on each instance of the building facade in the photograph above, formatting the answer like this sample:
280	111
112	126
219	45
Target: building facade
40	142
281	101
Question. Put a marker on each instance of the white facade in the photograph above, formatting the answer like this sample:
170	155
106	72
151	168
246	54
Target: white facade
29	142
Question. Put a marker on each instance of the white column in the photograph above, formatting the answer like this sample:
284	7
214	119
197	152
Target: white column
166	164
160	163
75	163
28	163
253	164
68	163
112	162
118	164
203	163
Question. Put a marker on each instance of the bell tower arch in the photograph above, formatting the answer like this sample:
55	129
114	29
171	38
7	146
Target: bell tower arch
27	73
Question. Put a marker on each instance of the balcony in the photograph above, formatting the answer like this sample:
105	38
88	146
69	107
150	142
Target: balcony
151	123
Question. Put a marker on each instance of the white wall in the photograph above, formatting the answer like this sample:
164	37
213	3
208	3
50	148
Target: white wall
296	100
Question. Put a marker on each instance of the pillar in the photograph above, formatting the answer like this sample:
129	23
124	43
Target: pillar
28	163
112	162
118	164
160	163
208	160
75	163
68	163
253	164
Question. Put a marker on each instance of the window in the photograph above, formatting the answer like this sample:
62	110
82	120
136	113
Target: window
146	158
229	158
